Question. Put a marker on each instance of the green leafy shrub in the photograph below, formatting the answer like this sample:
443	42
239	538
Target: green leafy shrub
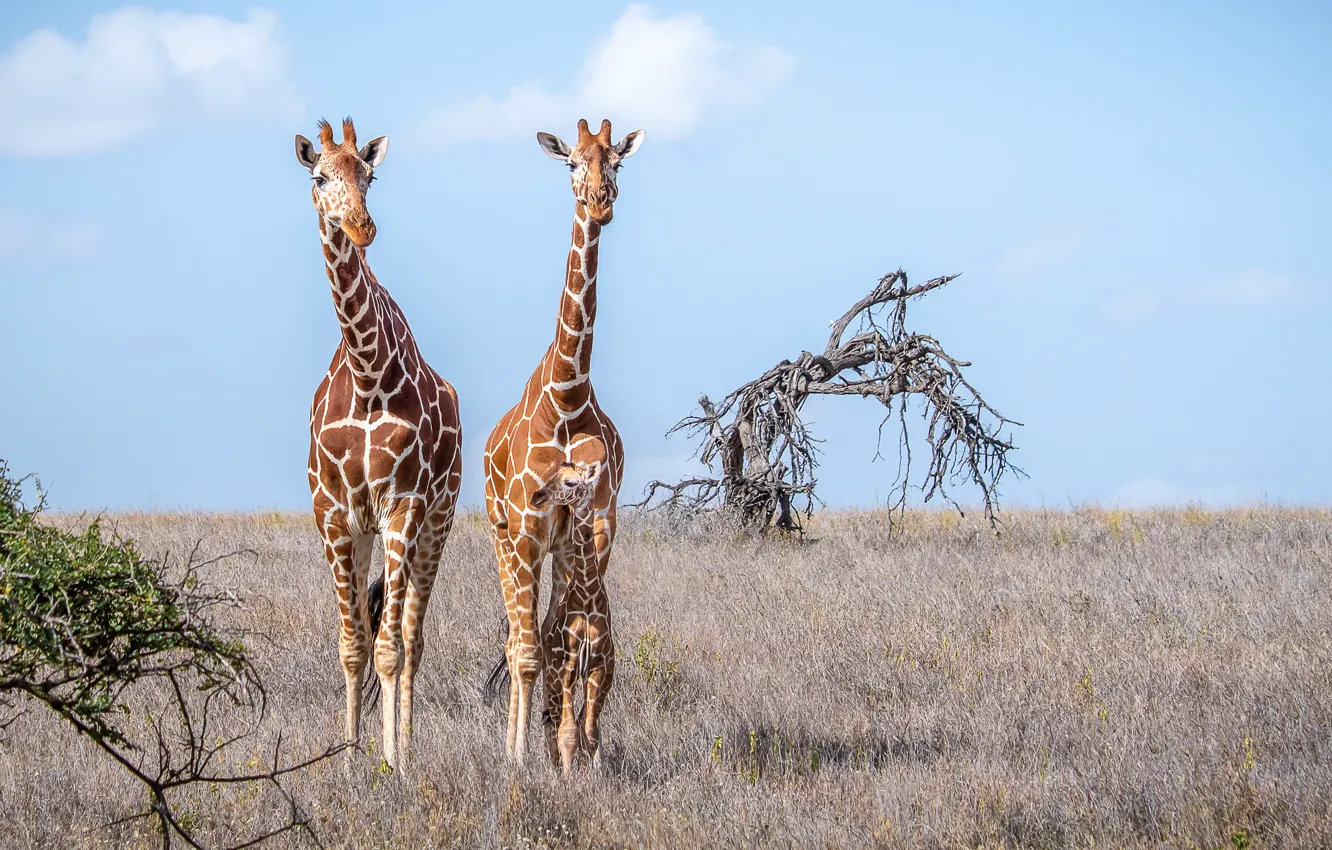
85	619
84	615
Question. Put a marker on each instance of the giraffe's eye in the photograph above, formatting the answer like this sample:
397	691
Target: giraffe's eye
320	180
573	166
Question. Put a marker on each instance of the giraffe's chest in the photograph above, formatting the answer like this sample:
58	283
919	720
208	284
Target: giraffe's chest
546	425
395	412
370	461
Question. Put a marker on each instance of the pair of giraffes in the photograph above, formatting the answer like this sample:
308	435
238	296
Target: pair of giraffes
386	459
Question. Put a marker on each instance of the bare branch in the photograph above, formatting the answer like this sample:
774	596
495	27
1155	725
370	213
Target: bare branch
763	456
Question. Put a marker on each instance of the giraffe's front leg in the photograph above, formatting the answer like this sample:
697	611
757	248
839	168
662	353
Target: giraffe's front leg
595	691
596	666
506	559
560	564
553	639
556	661
567	737
603	539
521	577
400	550
349	559
420	582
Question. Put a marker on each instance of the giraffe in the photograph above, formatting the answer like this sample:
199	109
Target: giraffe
579	649
557	420
385	446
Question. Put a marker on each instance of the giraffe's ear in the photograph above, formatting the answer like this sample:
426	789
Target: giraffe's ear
374	151
630	144
305	152
554	146
592	471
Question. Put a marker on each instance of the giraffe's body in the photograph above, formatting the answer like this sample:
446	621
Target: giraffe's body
385	447
557	421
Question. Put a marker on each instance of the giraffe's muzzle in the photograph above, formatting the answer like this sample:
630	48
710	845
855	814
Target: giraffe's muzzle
601	213
359	227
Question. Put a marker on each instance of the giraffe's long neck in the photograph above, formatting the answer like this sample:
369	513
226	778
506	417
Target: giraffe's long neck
571	360
355	301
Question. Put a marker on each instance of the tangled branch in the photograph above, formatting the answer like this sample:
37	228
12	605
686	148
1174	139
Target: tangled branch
762	457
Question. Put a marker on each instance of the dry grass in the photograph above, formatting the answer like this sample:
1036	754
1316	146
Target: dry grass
1091	679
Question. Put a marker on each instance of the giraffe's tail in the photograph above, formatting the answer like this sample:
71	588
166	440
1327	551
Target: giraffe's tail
375	600
498	682
376	603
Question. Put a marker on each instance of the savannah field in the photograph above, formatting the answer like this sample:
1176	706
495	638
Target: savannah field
1089	679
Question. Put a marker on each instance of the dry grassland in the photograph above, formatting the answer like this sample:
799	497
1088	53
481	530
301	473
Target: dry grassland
1092	678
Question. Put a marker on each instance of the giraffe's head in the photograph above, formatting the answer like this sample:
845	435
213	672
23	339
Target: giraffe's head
592	165
342	176
571	483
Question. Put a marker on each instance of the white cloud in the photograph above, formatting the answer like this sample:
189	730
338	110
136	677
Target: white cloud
1041	254
26	241
137	71
1249	288
1131	306
665	74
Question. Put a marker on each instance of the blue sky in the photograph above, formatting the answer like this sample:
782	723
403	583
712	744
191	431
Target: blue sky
1136	195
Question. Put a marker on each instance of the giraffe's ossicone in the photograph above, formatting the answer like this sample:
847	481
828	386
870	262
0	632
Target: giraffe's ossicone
385	446
556	425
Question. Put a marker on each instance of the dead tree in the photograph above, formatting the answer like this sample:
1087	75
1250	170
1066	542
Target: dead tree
761	457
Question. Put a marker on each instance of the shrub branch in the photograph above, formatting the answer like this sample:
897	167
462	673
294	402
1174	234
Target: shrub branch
85	619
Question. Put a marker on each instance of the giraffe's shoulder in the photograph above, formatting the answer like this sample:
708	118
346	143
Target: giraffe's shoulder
445	395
